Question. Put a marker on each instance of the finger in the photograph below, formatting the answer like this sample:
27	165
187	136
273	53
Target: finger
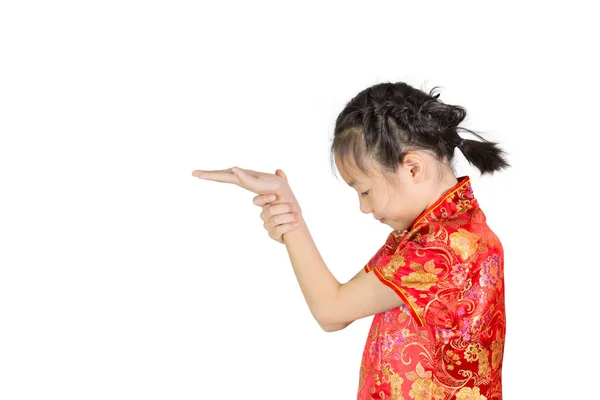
286	228
263	199
221	175
282	219
252	172
270	210
277	233
281	174
257	182
242	177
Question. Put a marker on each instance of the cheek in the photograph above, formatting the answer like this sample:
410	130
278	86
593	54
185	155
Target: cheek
401	208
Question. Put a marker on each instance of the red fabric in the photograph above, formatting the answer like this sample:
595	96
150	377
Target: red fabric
447	340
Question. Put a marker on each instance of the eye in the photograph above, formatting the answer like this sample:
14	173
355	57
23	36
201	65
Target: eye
364	193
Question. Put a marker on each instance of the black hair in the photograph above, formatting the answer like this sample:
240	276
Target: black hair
386	120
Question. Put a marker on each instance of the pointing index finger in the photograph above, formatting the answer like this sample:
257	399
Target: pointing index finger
222	175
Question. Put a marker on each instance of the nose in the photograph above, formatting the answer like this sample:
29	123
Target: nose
365	207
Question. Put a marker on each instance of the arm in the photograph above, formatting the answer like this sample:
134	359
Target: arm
332	304
339	327
317	283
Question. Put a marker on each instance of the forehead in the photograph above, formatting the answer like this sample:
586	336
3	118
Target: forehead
352	174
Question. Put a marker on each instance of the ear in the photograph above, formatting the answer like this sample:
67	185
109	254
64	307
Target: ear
416	167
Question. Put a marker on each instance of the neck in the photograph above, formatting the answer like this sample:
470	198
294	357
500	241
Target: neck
448	182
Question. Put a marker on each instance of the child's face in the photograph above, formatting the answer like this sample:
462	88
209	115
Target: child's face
400	200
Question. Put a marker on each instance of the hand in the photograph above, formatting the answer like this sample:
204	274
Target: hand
257	182
281	211
279	218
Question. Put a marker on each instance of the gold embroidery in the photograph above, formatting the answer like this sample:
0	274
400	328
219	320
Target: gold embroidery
419	280
472	352
425	389
484	364
424	276
390	269
453	358
470	394
464	243
396	387
496	352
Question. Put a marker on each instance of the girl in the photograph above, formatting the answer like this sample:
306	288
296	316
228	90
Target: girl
436	285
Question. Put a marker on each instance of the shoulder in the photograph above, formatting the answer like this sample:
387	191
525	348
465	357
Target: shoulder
464	234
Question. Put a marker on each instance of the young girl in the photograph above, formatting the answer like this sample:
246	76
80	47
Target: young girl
436	285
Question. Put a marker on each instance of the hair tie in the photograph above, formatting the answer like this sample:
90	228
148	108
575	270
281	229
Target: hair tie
461	143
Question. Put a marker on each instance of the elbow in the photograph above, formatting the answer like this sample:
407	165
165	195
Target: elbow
326	326
329	318
326	323
331	324
333	328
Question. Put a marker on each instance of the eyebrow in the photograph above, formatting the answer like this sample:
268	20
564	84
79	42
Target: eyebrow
352	182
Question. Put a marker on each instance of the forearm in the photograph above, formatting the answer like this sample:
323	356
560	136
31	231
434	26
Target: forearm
317	283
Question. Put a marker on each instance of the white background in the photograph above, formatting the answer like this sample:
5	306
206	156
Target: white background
124	277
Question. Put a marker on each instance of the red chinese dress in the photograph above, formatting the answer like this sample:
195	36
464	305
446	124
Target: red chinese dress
446	341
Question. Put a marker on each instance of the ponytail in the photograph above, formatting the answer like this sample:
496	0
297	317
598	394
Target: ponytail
486	156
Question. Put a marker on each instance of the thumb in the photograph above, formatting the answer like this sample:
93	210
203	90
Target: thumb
281	174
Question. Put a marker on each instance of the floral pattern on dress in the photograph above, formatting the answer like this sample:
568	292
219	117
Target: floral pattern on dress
446	340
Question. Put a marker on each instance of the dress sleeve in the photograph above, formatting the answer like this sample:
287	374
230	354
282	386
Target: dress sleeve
421	273
391	244
373	261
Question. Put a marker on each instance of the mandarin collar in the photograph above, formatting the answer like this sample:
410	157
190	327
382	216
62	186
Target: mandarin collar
456	199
